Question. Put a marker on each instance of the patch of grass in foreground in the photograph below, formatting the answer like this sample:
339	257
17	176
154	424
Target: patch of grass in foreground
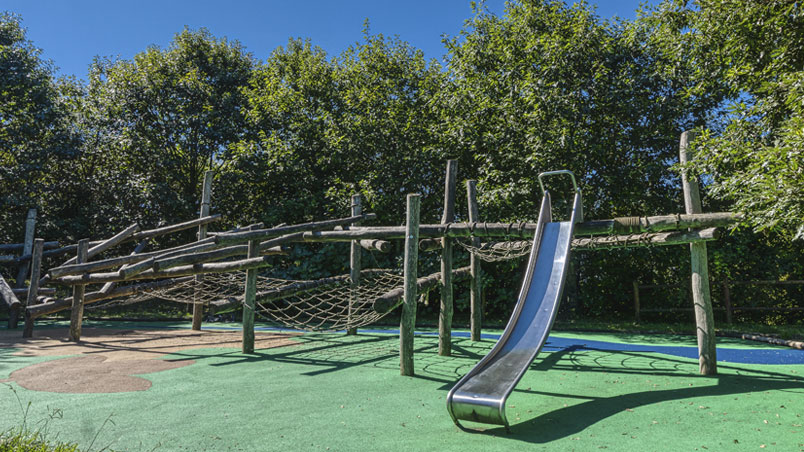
19	440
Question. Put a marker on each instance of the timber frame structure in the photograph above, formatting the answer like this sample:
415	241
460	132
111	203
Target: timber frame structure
248	249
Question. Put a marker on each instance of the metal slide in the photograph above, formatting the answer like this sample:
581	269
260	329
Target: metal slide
480	395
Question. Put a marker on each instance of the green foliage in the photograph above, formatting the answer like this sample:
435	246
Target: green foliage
31	442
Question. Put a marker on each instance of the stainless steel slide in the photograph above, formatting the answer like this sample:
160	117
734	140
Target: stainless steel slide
480	395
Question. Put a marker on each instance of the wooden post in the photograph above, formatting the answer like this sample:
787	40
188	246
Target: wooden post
446	311
727	302
77	312
636	301
249	300
702	301
22	270
206	194
475	289
33	289
408	322
355	263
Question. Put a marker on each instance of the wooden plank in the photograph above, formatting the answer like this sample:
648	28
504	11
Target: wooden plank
446	308
355	263
702	301
249	301
206	195
33	289
263	234
407	323
77	312
475	288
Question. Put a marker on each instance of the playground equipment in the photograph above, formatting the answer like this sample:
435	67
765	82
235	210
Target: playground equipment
221	270
480	395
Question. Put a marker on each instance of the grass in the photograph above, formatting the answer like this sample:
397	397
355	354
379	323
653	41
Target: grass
21	440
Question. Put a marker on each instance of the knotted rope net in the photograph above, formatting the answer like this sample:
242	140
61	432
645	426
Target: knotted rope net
498	251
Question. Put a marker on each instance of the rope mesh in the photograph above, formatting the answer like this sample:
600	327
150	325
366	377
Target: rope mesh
498	251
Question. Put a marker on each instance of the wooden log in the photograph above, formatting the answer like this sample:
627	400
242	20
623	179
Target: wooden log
446	307
475	288
164	230
212	256
184	270
22	270
263	234
111	242
52	306
8	296
206	194
407	322
8	259
41	291
33	289
249	302
431	244
660	223
702	301
636	301
646	239
19	247
58	251
137	250
77	311
355	264
382	246
727	302
390	300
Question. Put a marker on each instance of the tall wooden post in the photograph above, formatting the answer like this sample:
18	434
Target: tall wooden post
77	312
475	289
22	270
249	300
206	194
704	319
636	301
33	288
727	302
446	311
355	261
408	322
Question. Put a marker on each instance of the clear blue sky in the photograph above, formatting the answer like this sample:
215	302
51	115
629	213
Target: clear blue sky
71	33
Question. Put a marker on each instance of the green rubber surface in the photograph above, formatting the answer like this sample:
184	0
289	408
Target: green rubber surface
344	393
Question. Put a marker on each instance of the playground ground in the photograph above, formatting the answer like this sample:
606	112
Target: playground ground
145	387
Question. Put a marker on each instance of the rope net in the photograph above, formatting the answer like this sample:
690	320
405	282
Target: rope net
320	305
498	251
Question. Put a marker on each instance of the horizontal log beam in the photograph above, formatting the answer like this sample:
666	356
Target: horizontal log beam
175	227
393	298
111	242
18	247
647	239
214	255
382	246
7	294
185	270
661	223
263	234
39	291
53	306
431	244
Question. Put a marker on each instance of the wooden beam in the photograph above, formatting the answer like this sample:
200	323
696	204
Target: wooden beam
475	288
137	250
19	247
407	323
206	195
164	230
33	289
249	301
355	262
77	312
263	234
382	246
7	294
22	269
702	301
446	307
111	242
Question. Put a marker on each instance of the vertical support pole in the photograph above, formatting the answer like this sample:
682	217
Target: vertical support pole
447	309
22	270
408	322
77	312
727	302
702	300
33	289
249	300
475	289
636	301
206	194
355	262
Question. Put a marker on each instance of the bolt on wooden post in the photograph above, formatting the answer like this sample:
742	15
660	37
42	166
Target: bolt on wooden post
446	311
407	323
701	298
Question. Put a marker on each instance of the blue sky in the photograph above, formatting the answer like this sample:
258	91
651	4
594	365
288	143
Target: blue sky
71	33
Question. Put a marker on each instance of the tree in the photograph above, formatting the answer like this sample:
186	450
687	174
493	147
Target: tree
753	53
169	115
